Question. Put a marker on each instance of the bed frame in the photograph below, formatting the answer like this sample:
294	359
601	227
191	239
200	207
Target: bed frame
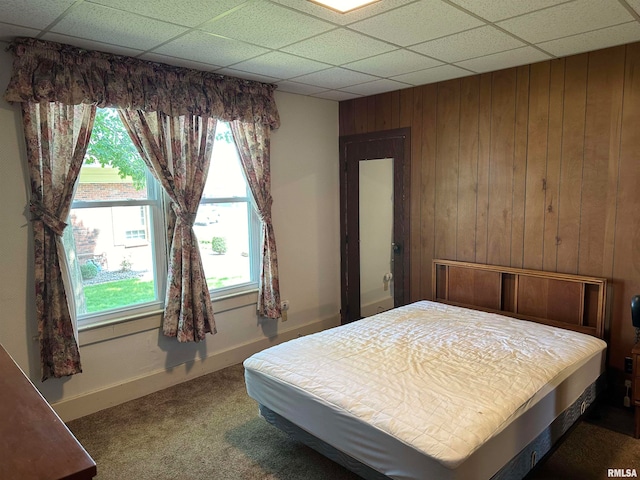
572	302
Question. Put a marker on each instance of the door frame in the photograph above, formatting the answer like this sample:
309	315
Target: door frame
396	144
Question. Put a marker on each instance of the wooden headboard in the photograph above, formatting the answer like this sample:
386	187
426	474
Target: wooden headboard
573	302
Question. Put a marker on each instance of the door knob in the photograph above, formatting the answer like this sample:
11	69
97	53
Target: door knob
396	247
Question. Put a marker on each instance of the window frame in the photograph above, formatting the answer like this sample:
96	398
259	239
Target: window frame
158	201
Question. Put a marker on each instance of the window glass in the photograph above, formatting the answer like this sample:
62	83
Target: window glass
111	250
226	177
223	234
227	224
115	271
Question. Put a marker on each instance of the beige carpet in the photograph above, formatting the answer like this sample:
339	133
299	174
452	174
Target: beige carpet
209	428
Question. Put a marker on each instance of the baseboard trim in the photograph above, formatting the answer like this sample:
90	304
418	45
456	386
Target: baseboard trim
85	404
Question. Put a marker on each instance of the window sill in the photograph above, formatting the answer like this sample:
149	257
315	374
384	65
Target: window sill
115	328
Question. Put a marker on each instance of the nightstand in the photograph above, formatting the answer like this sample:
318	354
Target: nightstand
635	399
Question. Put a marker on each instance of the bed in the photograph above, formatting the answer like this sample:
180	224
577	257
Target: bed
436	390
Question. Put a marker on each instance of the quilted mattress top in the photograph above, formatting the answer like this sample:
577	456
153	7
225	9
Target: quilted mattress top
439	378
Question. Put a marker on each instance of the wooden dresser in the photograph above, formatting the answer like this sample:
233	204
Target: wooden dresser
635	399
34	442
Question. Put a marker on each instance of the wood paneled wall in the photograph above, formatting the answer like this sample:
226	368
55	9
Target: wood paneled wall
536	166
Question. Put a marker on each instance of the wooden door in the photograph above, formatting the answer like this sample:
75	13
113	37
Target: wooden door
355	149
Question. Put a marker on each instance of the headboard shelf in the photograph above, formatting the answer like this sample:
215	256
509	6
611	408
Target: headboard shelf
574	302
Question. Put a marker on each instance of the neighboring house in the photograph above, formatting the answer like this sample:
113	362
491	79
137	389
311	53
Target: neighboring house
114	236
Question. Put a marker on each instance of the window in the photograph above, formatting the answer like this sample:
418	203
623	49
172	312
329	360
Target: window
116	244
227	224
135	234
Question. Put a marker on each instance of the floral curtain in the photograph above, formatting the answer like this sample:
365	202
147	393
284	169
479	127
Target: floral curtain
60	85
49	71
253	141
57	137
178	151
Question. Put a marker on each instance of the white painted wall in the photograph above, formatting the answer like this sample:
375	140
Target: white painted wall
305	188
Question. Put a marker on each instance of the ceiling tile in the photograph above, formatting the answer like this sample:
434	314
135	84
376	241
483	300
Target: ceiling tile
190	13
91	45
296	42
179	62
432	75
495	10
107	25
594	40
338	47
510	58
393	63
34	13
336	95
218	51
343	18
281	65
635	4
417	22
299	88
335	78
9	32
472	43
377	86
567	19
267	25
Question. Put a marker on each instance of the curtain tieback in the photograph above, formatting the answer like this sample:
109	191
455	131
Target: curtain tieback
188	218
40	212
265	212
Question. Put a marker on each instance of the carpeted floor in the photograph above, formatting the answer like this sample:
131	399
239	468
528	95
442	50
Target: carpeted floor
208	428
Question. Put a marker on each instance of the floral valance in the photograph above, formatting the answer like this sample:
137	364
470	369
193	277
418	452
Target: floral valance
48	71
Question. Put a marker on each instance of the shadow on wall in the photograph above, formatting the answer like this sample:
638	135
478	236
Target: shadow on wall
179	353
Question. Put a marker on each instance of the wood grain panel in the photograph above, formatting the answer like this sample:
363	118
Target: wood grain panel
395	109
446	184
519	166
417	252
626	268
552	299
371	113
383	111
603	115
501	167
554	153
427	179
406	113
509	285
406	107
361	115
468	168
570	192
475	287
484	158
347	124
536	165
613	157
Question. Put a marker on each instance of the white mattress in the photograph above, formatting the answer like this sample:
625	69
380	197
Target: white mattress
427	388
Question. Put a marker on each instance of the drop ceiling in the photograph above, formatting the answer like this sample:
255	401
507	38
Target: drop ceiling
309	50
